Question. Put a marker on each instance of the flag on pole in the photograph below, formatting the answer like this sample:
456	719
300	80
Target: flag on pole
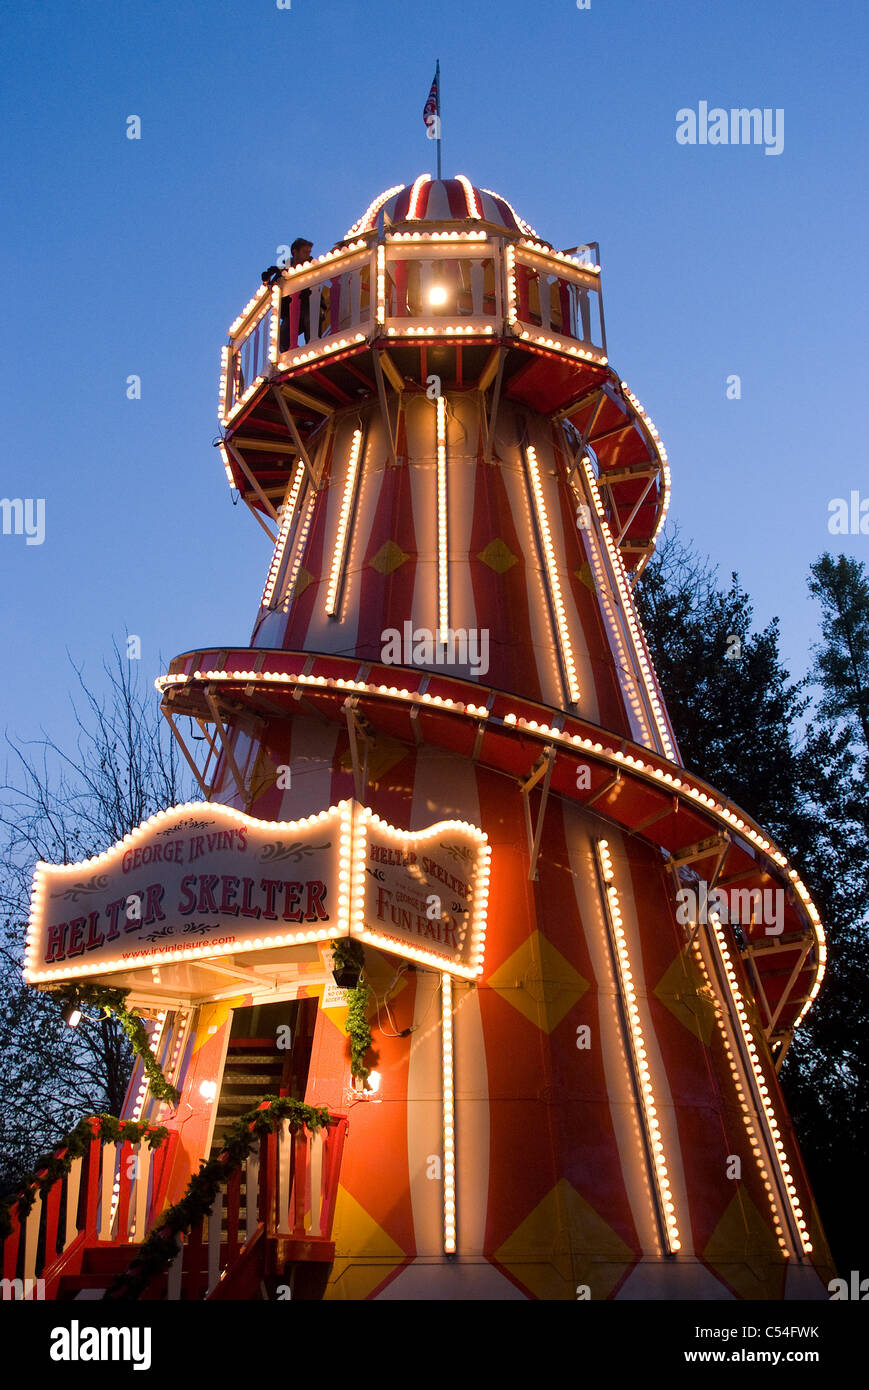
432	110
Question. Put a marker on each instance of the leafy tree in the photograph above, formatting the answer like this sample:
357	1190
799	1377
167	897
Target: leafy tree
734	708
827	1069
62	807
799	766
842	659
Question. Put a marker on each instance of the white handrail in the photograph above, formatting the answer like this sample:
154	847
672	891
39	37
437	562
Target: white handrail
73	1188
215	1226
251	1188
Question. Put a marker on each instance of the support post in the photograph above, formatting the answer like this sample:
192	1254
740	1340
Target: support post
384	405
490	419
239	780
544	770
294	433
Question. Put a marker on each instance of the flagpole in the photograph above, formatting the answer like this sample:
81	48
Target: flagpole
440	123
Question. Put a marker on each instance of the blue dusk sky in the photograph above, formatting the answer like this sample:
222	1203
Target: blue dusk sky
259	124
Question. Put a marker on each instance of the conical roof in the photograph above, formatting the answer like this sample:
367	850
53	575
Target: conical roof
438	202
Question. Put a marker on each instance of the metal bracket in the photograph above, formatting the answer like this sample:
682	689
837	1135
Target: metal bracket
384	405
357	728
773	1015
639	502
224	743
607	786
543	768
784	1043
179	738
294	433
702	850
233	449
689	855
234	972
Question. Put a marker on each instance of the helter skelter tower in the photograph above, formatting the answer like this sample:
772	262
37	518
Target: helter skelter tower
579	1093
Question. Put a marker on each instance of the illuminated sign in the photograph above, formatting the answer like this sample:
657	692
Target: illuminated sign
425	893
195	880
202	881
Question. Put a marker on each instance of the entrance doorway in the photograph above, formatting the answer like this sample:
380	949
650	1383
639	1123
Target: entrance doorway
269	1054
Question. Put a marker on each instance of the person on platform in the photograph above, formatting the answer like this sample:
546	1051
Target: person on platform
301	252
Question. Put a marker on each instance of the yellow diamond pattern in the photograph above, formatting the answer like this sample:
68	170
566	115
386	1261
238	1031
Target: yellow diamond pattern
388	558
383	755
539	982
303	579
264	775
353	1278
744	1251
498	556
683	991
562	1243
585	576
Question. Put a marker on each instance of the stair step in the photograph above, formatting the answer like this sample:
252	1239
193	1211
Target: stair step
232	1108
250	1078
108	1259
257	1058
249	1074
92	1286
72	1284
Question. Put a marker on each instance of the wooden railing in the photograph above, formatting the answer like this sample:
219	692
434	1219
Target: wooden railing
108	1197
315	306
407	287
559	299
425	284
251	356
277	1210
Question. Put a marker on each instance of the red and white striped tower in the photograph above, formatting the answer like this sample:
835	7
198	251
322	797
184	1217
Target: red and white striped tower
460	493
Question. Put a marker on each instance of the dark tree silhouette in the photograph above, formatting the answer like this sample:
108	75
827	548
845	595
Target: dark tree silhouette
795	755
62	806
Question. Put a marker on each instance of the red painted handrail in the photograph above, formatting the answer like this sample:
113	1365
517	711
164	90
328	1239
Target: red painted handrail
241	1279
281	1216
81	1226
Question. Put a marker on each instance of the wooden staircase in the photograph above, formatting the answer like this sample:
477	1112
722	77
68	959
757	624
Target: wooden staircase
242	1250
272	1219
254	1068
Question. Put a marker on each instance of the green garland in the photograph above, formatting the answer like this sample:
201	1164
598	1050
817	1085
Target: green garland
113	1002
57	1164
347	952
359	1029
162	1245
350	952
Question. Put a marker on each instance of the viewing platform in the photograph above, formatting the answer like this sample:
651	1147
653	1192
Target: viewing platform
416	304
